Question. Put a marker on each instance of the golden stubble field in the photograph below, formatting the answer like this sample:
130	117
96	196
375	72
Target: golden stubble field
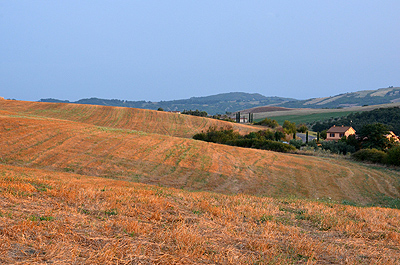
65	218
84	184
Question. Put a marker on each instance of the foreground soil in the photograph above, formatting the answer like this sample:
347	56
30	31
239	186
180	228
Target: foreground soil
64	218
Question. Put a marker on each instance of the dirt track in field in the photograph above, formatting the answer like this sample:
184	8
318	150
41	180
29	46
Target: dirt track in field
152	158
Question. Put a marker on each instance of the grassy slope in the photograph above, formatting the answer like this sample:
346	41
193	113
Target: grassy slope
185	163
309	118
312	115
65	218
48	214
117	117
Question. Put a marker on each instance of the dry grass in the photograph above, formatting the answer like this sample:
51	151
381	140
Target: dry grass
53	208
123	118
66	146
63	218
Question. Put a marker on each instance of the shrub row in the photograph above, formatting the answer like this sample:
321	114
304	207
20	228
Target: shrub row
263	144
258	140
391	157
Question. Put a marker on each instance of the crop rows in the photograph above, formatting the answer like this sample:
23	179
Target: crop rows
66	146
48	217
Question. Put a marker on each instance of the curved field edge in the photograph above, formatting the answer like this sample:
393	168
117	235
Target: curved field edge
65	146
150	121
49	217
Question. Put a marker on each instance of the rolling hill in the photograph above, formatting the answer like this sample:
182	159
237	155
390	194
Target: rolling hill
153	147
359	98
237	101
220	103
108	185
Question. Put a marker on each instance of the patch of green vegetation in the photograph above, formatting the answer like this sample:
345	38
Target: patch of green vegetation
385	201
116	130
68	169
309	118
264	218
41	186
35	218
347	202
111	212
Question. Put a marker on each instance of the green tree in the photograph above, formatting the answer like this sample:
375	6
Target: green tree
268	122
289	127
302	128
373	136
323	134
279	135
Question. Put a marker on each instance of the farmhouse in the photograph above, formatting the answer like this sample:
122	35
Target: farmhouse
337	132
392	137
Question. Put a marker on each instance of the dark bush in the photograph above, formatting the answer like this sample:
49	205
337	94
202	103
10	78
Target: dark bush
371	155
258	140
393	156
268	122
337	147
296	143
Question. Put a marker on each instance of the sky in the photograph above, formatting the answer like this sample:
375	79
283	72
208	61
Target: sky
164	50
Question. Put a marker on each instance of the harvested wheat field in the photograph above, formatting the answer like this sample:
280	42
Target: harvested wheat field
65	218
103	185
123	118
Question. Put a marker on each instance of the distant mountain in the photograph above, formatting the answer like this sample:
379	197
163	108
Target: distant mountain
236	101
220	103
360	98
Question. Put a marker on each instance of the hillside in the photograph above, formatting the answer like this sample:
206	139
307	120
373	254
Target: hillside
215	104
123	118
359	98
82	184
387	116
240	101
308	115
48	217
133	153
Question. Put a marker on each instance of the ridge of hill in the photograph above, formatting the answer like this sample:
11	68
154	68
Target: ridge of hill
359	98
237	101
123	118
214	104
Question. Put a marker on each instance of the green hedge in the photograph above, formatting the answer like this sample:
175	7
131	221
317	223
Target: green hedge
371	155
258	140
393	156
265	145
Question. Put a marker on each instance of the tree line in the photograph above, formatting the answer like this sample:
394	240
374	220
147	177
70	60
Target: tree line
387	116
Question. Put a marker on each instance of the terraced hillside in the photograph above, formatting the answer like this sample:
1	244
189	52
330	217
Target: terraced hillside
87	149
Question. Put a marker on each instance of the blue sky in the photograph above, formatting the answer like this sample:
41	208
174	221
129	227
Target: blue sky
163	50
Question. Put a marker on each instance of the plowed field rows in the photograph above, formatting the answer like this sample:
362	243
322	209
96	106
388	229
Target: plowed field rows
185	163
86	184
124	118
63	218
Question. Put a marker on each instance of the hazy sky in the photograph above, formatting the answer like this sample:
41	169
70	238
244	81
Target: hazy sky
163	50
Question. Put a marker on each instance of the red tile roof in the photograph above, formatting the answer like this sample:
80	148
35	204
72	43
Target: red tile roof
338	129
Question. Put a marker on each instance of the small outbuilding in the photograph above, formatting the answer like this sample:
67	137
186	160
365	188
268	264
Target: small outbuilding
337	132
